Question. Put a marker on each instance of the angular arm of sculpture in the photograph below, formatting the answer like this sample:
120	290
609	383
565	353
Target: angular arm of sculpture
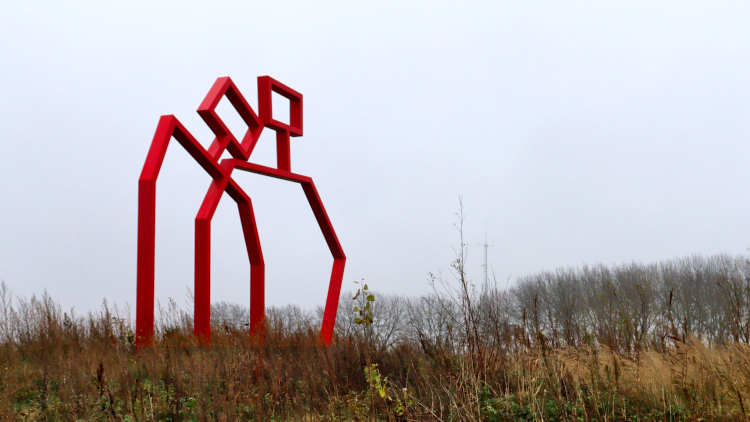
339	259
316	204
169	127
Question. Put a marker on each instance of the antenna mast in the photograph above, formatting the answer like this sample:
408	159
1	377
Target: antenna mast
486	246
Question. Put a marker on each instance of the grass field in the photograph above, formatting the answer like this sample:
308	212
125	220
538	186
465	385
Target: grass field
54	366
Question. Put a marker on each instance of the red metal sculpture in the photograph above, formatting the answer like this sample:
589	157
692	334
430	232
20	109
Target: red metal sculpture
220	171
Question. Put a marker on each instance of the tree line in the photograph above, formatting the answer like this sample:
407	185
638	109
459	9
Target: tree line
627	308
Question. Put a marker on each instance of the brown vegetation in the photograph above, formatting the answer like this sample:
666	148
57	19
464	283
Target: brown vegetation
638	342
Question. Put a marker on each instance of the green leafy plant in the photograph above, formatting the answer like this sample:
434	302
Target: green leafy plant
376	381
363	300
399	401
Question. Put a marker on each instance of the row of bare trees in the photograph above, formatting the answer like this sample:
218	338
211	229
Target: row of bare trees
626	308
636	305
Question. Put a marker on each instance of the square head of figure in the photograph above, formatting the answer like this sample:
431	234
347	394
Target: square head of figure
266	87
242	148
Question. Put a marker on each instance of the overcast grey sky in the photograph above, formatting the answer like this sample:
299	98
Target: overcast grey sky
577	132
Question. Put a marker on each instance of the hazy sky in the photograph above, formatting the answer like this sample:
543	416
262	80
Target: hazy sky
577	132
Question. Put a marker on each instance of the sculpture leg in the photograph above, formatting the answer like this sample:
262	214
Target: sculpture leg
144	321
339	260
255	256
202	290
332	301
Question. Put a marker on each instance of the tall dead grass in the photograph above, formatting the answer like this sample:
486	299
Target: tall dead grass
55	365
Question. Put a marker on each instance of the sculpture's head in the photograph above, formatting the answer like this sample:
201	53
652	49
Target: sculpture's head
242	149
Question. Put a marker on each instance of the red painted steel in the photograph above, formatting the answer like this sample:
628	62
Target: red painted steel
220	171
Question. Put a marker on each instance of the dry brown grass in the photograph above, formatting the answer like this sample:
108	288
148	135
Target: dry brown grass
57	367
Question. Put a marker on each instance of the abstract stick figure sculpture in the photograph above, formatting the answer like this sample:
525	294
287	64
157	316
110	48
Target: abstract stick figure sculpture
220	171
